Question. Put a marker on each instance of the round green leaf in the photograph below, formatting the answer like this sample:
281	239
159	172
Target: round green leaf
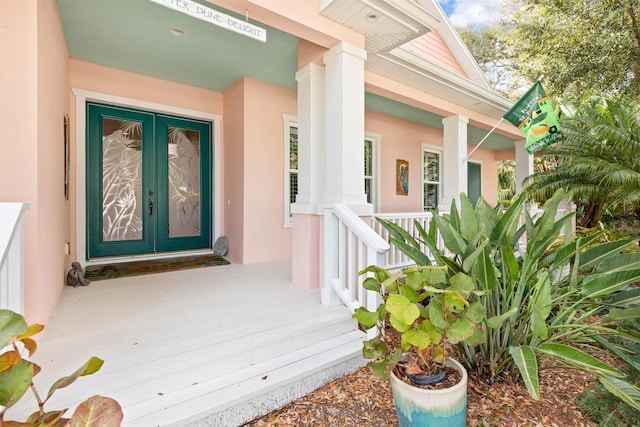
460	330
11	325
402	309
365	317
14	383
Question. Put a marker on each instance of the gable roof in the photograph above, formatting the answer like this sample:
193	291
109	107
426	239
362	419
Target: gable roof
393	31
431	46
454	42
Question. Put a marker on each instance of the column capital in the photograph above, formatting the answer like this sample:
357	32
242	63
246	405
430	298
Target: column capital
520	144
455	119
344	47
308	70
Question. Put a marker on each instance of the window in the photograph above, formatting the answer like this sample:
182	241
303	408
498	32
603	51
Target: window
371	168
290	165
431	178
371	149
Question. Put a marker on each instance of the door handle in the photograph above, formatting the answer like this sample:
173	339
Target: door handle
150	207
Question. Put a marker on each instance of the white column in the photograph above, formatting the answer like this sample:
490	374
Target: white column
454	164
305	233
524	164
311	139
345	127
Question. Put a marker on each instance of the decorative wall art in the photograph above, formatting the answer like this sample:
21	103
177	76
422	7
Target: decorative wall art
67	163
402	177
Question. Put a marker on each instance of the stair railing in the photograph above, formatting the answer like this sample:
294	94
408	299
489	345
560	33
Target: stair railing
12	256
350	245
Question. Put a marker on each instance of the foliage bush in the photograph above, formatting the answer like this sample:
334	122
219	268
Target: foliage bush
16	378
600	404
429	310
547	295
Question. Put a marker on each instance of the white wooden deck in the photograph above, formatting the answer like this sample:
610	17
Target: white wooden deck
214	346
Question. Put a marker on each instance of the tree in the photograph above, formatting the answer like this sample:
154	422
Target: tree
582	47
506	181
598	162
487	47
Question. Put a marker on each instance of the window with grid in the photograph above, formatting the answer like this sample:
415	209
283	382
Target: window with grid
431	179
291	173
291	166
368	170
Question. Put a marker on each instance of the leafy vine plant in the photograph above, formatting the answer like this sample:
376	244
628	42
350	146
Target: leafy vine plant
16	378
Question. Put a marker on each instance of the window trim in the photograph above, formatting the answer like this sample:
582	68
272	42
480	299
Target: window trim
477	162
288	122
376	142
428	148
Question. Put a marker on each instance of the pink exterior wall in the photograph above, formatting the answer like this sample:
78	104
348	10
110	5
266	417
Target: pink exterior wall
265	238
305	241
97	78
233	193
35	98
403	140
432	47
310	53
489	170
400	140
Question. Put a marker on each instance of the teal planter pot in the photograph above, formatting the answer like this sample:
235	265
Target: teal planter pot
417	407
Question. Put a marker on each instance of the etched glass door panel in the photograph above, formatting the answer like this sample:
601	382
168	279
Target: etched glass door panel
148	182
183	151
120	219
183	183
122	200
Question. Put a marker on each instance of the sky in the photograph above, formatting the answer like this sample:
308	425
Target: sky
471	12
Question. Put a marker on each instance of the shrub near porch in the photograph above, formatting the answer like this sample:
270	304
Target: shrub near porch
549	296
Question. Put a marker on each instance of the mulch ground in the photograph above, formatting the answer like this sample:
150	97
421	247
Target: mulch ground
361	399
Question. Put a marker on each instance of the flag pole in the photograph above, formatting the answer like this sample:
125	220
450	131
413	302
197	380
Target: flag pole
483	139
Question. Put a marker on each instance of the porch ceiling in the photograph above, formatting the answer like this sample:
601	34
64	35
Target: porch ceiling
134	35
402	111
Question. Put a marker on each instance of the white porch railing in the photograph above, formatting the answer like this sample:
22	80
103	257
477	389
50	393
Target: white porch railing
12	256
350	245
395	258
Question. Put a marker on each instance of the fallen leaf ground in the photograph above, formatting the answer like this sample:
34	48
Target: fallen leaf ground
361	399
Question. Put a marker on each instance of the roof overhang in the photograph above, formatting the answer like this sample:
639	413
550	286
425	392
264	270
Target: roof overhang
396	23
403	65
385	24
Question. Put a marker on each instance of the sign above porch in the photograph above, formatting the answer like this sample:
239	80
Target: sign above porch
220	19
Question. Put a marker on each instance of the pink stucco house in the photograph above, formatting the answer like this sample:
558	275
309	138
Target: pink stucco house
284	125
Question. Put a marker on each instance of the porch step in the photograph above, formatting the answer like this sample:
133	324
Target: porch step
225	377
244	394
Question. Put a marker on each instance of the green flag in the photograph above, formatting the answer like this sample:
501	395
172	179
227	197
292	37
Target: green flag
534	115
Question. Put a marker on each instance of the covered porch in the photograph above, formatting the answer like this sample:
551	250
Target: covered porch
207	346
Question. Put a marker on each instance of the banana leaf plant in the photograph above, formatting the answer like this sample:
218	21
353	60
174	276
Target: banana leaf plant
16	378
546	295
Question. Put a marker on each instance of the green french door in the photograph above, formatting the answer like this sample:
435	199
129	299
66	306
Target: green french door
474	181
148	182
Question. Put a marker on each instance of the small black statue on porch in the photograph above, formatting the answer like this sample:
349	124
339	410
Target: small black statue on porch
75	276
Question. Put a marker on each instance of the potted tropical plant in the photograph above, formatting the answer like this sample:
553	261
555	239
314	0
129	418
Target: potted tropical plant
424	311
16	378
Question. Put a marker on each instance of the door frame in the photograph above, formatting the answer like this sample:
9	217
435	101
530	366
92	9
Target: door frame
479	163
82	96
